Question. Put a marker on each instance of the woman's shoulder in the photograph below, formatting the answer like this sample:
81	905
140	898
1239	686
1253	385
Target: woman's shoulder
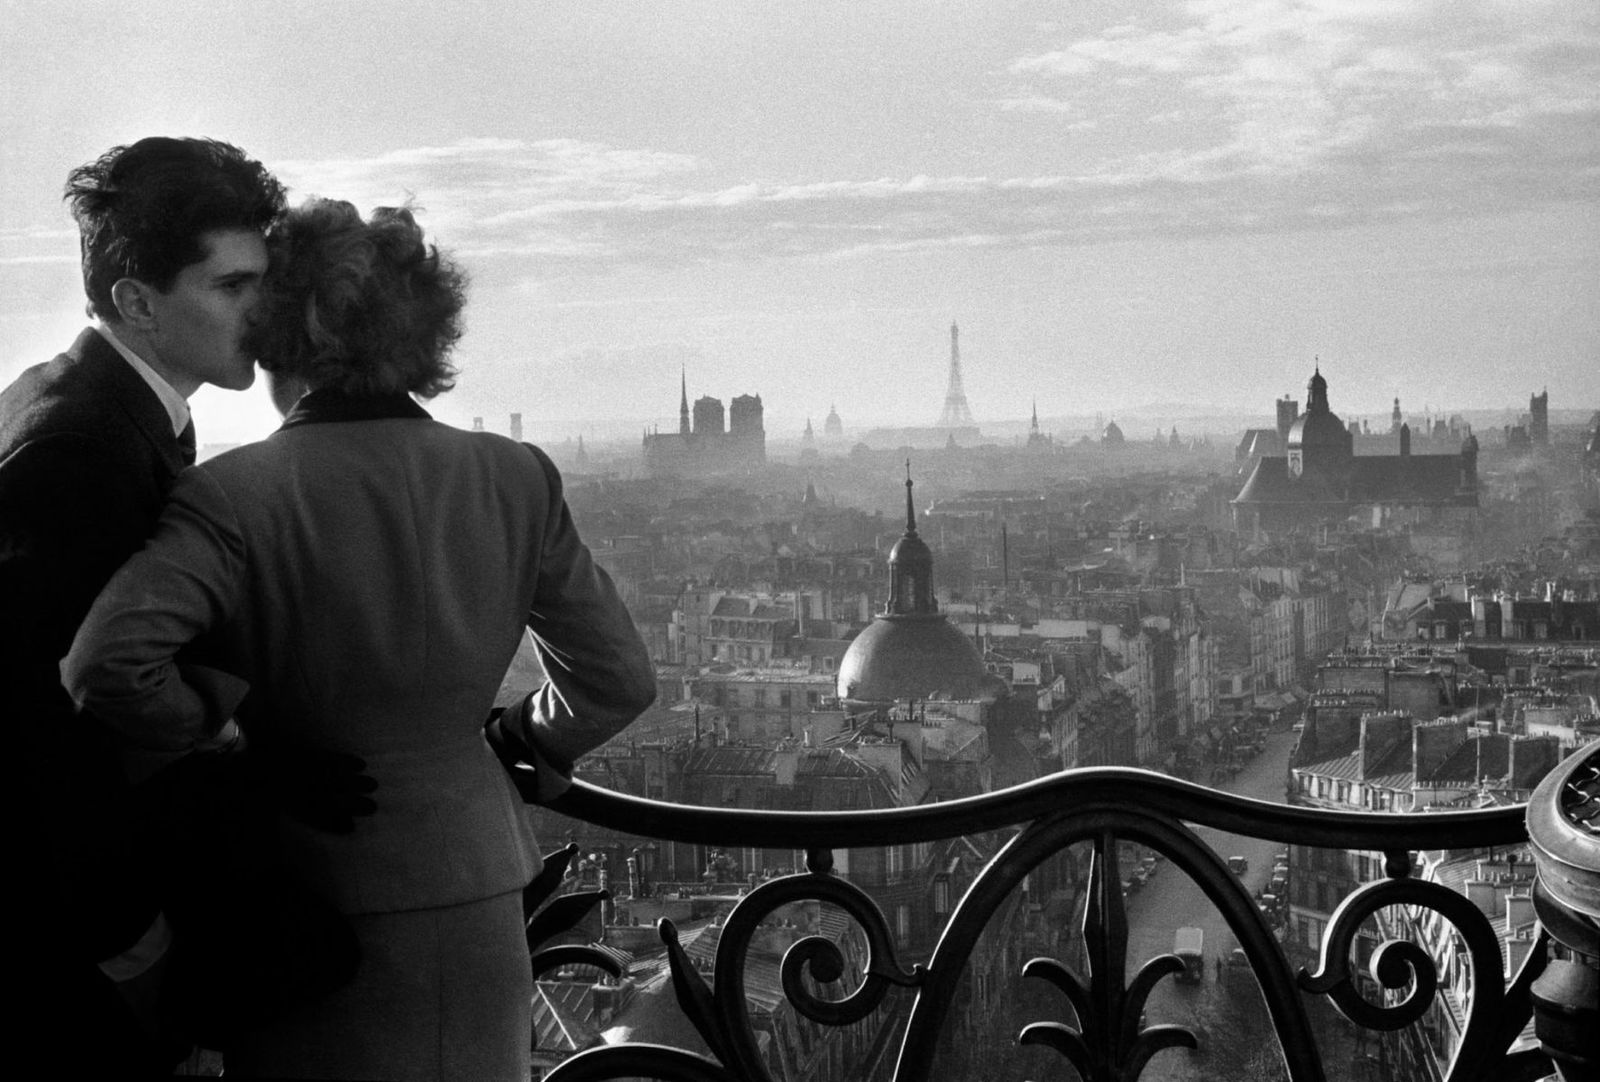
514	453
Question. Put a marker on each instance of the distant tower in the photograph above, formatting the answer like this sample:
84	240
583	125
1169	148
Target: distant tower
833	428
516	427
1539	418
956	413
911	566
1036	439
683	405
708	418
1288	410
1394	418
477	424
745	429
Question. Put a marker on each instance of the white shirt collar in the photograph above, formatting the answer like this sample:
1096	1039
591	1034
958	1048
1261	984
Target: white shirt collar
176	405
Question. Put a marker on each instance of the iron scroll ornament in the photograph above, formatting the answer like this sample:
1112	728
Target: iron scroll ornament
1497	1013
1101	805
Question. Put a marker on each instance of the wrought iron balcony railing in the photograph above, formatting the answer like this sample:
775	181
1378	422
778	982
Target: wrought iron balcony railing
1104	1034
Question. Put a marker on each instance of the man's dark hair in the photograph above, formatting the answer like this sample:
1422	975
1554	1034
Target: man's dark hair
142	209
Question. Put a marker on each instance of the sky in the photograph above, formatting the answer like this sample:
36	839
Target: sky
1125	206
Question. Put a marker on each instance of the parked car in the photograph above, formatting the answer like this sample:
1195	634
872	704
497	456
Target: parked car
1238	865
1189	945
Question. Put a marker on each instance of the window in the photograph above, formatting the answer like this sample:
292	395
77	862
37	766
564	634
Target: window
785	699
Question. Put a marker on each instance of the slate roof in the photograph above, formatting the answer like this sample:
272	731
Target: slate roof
563	1016
1429	480
1270	483
1409	479
1487	755
750	609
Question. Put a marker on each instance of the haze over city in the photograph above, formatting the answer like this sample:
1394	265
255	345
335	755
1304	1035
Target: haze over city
1121	203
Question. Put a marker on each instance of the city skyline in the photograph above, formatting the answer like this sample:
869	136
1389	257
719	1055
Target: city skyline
1121	204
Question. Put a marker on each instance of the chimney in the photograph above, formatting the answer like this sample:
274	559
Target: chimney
1519	913
1483	895
516	427
1379	734
1532	757
1517	953
786	763
1432	744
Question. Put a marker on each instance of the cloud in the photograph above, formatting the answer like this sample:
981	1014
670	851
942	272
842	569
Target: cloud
1209	117
475	179
1297	89
1040	103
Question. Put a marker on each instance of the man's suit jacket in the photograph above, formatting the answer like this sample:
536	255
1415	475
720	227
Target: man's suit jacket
87	455
370	573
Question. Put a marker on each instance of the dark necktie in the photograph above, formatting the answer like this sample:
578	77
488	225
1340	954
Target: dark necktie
186	443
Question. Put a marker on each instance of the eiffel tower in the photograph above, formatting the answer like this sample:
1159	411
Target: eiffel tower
956	414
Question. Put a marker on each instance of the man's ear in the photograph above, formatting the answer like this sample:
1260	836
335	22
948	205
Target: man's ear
133	302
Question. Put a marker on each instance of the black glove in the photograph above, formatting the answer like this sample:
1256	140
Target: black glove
538	778
327	790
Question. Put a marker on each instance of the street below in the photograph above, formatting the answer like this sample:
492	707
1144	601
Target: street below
1225	1008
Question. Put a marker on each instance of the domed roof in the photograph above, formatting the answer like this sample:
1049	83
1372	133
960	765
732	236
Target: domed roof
1318	430
911	555
1319	427
1112	434
911	651
901	657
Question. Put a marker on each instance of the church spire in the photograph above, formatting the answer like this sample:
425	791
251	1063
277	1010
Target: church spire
911	510
910	567
1317	391
683	403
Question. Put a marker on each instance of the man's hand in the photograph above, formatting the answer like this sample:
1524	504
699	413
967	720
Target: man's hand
328	790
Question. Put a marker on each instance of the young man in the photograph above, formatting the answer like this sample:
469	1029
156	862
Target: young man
90	442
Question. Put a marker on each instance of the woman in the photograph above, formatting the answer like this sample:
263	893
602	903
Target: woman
370	572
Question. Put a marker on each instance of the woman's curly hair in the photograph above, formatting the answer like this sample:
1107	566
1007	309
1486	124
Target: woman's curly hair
362	306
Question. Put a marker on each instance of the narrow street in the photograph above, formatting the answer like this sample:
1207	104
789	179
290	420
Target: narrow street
1228	1010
